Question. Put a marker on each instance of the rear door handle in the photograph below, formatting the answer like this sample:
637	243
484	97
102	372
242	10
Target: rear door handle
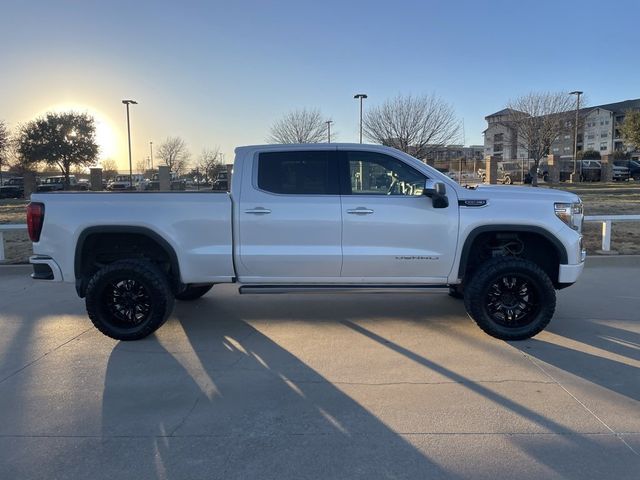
360	211
258	211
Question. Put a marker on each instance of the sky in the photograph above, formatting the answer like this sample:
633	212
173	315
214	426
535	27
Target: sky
219	73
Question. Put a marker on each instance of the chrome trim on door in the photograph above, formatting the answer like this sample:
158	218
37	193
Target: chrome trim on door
360	211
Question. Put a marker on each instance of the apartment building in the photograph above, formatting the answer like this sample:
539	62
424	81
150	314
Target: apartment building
599	130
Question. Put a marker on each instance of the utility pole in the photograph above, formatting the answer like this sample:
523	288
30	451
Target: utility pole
577	93
127	103
329	122
361	96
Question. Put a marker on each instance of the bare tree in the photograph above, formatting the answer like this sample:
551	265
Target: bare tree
210	163
109	168
174	153
4	146
299	126
415	125
537	120
142	165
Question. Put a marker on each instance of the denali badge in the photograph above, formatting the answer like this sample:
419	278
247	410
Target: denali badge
416	257
472	203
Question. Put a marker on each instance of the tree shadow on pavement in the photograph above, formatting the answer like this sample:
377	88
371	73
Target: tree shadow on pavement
224	390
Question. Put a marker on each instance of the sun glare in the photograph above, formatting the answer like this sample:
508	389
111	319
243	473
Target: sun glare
106	134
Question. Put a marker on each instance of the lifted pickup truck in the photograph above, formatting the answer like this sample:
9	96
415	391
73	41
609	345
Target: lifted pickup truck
313	218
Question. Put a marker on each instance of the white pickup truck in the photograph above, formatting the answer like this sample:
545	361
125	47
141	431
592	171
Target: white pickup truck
313	218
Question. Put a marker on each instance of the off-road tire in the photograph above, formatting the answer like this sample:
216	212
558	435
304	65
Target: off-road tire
157	290
476	295
193	293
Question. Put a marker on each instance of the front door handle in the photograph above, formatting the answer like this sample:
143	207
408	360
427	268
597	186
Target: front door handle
258	211
360	211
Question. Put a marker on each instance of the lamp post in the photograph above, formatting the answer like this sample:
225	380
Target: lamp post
329	122
151	157
577	93
127	103
360	96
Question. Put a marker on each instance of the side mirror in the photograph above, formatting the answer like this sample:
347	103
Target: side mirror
437	191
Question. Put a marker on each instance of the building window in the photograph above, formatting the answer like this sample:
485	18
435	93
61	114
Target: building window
604	135
590	137
567	137
567	149
498	137
497	147
603	146
589	146
556	149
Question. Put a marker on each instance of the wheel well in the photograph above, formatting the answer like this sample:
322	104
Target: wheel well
530	245
99	247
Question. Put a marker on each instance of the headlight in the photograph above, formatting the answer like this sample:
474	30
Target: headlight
571	214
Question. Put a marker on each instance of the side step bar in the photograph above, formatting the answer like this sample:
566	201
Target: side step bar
313	288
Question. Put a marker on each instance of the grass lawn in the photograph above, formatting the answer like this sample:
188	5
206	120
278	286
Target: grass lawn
613	198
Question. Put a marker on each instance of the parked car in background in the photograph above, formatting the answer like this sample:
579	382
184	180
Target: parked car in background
176	183
508	172
57	183
633	166
620	173
221	181
12	188
634	169
589	171
123	182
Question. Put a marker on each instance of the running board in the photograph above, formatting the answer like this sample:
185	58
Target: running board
273	289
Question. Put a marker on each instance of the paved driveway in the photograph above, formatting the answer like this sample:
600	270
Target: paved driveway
331	387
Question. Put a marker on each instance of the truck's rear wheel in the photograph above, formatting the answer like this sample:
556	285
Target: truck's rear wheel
510	298
193	292
129	299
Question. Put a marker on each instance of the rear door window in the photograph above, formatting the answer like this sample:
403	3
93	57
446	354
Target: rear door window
299	173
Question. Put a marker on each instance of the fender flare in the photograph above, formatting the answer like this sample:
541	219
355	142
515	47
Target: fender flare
144	231
466	249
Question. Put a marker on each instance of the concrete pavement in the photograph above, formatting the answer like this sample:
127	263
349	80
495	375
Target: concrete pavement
322	386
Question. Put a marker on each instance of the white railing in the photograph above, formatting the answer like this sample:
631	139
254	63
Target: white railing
607	223
8	228
606	220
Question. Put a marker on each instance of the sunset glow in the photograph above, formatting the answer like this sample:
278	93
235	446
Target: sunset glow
106	134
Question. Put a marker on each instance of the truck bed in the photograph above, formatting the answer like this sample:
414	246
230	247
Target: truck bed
197	225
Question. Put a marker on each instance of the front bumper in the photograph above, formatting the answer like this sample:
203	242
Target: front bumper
569	273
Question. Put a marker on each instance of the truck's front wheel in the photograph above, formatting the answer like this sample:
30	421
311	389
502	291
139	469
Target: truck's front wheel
510	298
129	299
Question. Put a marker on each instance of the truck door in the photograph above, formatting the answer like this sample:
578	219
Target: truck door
290	218
391	232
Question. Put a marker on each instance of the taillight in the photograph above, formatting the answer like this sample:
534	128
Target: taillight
35	219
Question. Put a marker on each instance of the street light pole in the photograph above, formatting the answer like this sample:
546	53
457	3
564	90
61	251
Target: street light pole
127	103
577	93
329	122
151	157
361	96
